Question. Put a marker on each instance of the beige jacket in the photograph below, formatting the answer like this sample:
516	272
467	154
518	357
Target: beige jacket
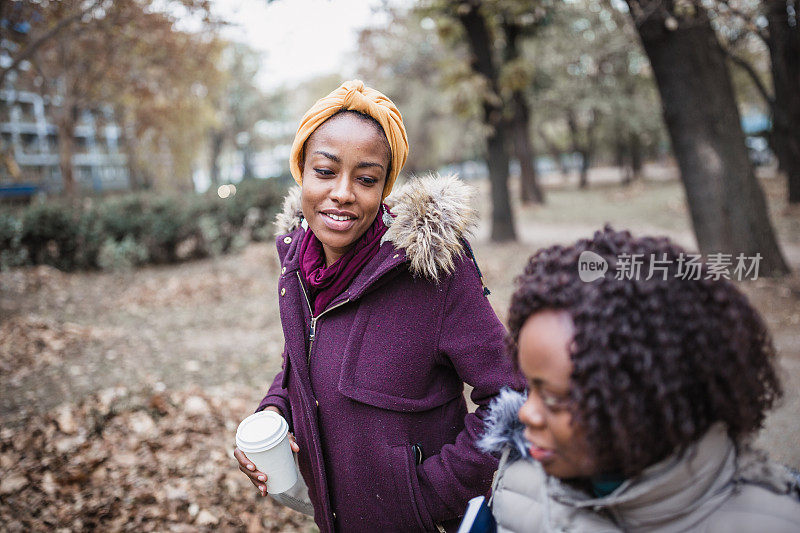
711	488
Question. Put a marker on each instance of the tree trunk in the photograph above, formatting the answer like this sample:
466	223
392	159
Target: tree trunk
66	147
480	45
784	47
776	140
217	139
621	156
585	148
727	205
635	151
583	181
247	161
502	216
530	192
588	152
555	152
572	125
129	144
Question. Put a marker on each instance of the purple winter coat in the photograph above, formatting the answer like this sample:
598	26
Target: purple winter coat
382	370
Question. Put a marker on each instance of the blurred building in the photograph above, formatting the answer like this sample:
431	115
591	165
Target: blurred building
29	147
28	135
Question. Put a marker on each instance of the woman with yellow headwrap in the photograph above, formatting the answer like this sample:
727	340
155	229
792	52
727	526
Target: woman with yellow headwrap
385	318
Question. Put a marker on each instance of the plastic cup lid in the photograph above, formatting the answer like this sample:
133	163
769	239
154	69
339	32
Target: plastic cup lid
261	431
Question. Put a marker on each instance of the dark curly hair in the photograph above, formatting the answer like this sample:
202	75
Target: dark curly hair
656	362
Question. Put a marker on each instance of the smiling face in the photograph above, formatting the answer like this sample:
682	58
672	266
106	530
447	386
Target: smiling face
544	359
344	171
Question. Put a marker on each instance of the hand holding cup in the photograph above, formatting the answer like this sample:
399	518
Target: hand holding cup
266	439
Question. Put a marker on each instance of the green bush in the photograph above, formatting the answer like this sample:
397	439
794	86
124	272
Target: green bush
121	216
122	255
12	253
167	224
260	204
133	229
51	234
213	238
92	237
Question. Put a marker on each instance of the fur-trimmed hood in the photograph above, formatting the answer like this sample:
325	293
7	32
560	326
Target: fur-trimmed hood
503	428
714	485
432	215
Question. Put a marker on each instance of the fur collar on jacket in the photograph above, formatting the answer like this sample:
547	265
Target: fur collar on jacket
432	216
503	428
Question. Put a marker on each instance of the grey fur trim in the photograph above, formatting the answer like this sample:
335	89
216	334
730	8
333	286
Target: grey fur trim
291	215
387	218
432	214
503	427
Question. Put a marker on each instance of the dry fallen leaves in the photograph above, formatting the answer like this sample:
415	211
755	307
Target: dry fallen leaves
29	342
122	461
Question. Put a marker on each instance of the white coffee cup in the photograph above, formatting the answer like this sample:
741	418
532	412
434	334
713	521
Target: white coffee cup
264	439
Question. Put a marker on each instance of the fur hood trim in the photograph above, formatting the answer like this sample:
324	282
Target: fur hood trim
291	215
503	427
432	216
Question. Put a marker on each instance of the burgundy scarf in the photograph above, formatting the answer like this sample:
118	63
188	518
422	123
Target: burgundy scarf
328	282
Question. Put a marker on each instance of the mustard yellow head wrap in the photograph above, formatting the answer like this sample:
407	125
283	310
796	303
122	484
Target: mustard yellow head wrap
355	96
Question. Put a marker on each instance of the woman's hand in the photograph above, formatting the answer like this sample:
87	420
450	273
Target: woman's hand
258	478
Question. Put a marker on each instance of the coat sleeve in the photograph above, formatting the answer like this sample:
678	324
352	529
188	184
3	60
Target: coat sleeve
277	395
472	337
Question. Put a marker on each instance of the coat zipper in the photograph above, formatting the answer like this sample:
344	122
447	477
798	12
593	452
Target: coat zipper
313	330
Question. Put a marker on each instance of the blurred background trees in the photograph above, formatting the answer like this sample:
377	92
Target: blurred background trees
560	78
239	105
526	95
132	56
727	205
591	80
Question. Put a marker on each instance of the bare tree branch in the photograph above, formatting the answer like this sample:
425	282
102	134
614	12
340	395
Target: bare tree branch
57	28
551	145
642	13
747	18
751	72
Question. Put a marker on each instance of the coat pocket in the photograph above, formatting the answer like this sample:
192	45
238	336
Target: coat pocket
394	402
394	368
411	508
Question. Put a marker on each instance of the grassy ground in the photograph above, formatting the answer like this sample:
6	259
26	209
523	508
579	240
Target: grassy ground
211	329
